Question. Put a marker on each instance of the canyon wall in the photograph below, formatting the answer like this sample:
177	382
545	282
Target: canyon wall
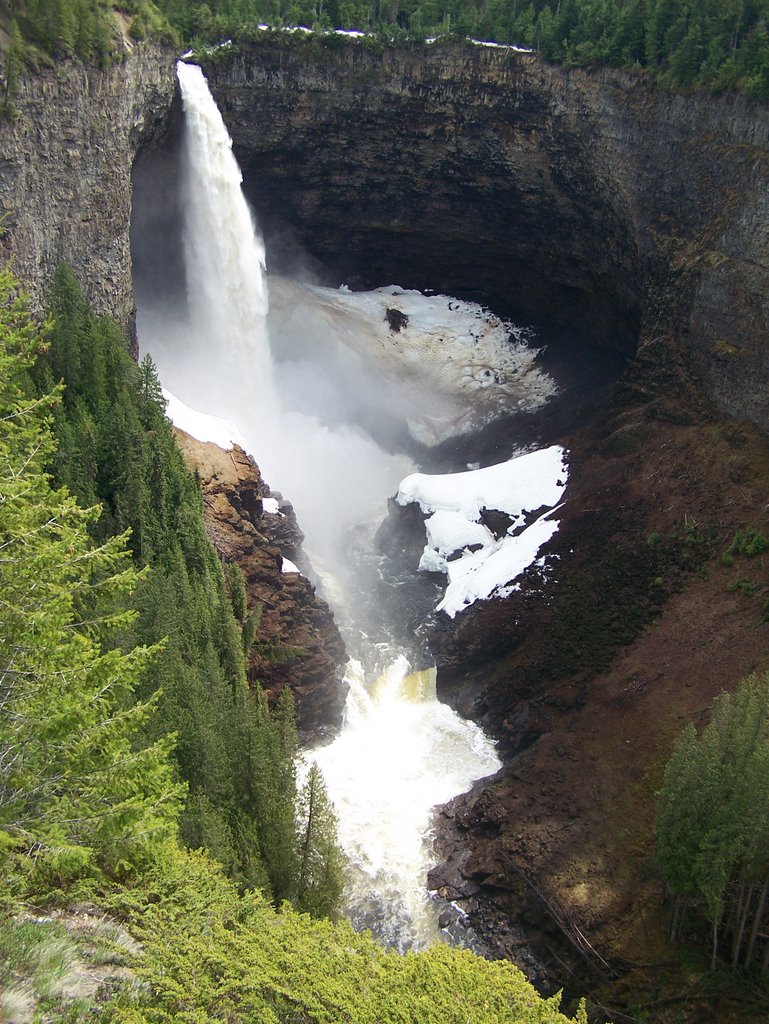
626	213
595	199
66	192
65	172
298	643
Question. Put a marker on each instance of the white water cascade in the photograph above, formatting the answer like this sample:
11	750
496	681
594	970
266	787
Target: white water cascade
400	751
225	267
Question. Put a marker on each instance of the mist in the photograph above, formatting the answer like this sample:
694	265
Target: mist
336	394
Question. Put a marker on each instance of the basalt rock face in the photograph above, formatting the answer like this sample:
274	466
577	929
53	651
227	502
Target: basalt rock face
65	172
595	199
298	643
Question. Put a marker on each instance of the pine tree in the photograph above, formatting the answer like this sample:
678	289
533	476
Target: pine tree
149	384
117	447
713	820
320	878
75	791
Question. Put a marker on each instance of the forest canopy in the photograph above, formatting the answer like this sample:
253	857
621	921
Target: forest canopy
717	45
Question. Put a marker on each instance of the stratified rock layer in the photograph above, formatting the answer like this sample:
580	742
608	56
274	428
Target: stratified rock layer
596	199
298	643
65	172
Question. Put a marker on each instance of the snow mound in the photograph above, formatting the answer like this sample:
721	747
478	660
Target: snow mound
443	365
487	565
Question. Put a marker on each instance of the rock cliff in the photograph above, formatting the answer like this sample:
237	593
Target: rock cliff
298	643
628	215
66	193
596	199
65	172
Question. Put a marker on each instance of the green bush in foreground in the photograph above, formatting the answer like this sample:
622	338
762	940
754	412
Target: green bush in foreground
211	955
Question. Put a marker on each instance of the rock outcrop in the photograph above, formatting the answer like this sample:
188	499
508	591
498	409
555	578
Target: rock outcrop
298	643
65	172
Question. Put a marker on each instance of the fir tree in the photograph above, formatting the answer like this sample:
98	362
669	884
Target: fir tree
320	878
713	821
75	791
117	447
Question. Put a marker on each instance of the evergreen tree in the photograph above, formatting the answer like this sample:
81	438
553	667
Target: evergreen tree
320	878
713	820
117	447
75	791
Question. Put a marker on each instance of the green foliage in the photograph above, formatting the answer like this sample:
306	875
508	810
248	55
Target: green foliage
117	447
320	876
236	958
76	795
148	22
86	29
744	586
712	44
71	28
713	816
749	543
13	64
236	587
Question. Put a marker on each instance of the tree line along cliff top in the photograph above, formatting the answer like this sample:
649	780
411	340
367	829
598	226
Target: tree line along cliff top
715	45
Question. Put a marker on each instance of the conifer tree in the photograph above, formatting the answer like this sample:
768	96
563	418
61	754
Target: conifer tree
320	875
117	447
75	791
713	821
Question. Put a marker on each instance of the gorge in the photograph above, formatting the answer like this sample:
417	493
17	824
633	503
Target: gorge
627	221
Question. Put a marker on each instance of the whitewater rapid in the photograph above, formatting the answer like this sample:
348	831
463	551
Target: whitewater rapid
400	753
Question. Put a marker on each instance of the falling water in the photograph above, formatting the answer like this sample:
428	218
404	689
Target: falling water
225	265
401	751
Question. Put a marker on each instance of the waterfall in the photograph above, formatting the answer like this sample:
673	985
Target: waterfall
225	266
401	751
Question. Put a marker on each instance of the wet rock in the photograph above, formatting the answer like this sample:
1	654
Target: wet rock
402	536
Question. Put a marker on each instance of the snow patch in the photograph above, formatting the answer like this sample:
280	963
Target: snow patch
288	566
201	425
443	365
501	46
487	565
